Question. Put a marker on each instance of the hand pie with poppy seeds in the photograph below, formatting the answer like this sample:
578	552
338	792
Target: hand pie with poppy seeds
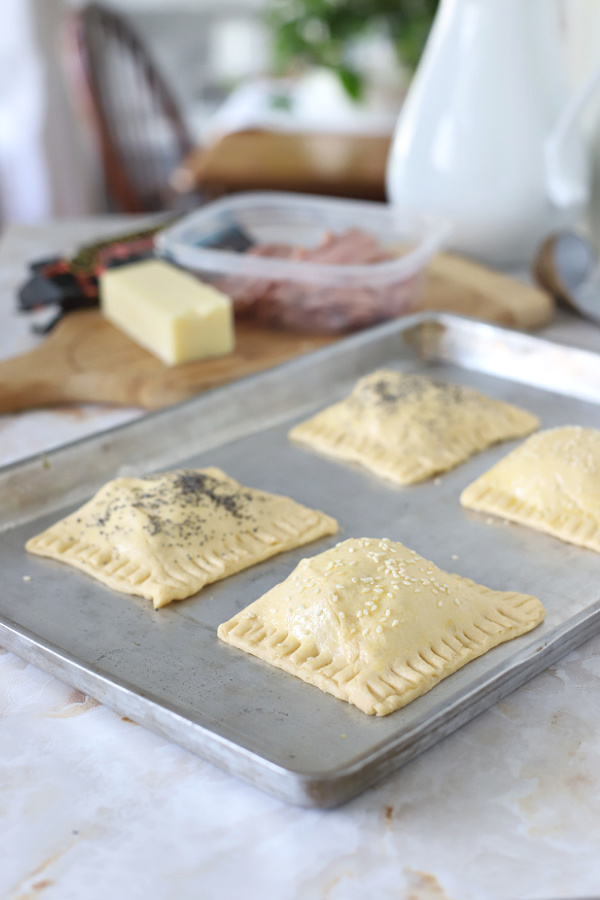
407	428
375	624
166	536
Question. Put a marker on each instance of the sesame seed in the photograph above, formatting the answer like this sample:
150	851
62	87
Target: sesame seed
365	631
457	601
341	614
395	622
440	602
26	577
379	629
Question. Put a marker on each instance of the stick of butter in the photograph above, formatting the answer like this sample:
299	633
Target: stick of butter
167	311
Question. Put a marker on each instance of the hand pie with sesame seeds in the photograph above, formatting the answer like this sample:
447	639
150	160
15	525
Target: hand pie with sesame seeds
407	428
550	483
375	624
166	536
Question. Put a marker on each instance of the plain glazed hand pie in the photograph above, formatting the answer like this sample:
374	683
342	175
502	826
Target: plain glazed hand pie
407	428
166	536
551	483
375	624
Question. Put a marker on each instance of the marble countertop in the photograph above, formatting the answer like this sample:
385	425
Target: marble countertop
93	805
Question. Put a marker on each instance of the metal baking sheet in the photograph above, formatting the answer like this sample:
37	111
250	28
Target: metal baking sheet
168	671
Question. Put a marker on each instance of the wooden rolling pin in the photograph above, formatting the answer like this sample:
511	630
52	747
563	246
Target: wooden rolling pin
455	284
86	359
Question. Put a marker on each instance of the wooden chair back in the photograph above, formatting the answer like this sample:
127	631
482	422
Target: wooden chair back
142	134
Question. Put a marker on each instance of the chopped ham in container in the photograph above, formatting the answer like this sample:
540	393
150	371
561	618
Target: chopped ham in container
296	305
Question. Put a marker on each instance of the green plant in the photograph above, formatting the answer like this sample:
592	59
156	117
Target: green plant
319	32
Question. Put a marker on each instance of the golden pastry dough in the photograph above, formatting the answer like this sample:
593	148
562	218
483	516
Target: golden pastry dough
407	428
166	536
551	483
375	624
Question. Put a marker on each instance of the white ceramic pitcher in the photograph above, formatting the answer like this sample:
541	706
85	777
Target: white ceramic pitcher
488	137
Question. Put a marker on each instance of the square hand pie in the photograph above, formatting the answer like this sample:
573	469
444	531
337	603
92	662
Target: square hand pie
407	428
166	536
375	624
551	483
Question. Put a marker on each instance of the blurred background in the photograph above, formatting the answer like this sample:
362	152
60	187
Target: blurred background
161	104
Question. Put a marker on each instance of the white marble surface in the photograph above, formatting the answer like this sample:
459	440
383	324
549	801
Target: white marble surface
507	808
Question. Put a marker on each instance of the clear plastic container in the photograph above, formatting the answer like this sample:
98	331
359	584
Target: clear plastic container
307	263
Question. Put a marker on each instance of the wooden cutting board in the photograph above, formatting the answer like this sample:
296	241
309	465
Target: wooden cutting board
85	359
